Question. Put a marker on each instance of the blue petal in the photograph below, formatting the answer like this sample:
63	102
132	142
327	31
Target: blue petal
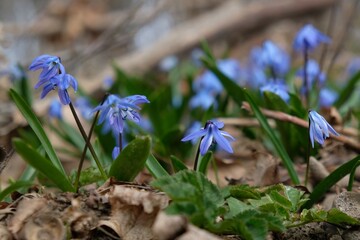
222	141
197	134
47	88
115	152
64	96
206	143
226	134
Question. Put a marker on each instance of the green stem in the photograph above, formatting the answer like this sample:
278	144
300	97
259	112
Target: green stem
352	176
307	159
87	141
197	156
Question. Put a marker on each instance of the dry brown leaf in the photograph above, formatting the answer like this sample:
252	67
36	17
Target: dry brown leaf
26	208
266	172
133	212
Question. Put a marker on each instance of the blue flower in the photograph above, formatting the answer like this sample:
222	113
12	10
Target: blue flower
279	88
271	56
308	38
116	110
255	76
50	65
14	72
211	134
55	109
353	67
313	73
168	63
327	97
203	99
319	128
84	106
115	153
193	128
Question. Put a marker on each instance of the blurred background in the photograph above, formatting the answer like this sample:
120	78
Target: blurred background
150	36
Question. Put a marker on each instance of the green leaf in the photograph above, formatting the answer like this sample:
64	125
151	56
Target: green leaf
37	128
337	217
204	162
131	159
14	187
41	164
236	207
155	168
280	199
239	95
177	164
243	192
330	181
295	196
193	195
347	90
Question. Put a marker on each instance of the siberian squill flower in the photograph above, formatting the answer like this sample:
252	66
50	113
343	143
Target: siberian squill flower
50	65
308	38
115	152
210	134
271	56
14	73
319	128
279	88
84	106
116	110
53	76
55	109
327	97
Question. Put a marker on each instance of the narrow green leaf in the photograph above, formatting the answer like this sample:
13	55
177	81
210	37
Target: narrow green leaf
131	160
204	162
155	168
337	217
41	164
239	95
34	123
14	187
330	181
348	90
177	164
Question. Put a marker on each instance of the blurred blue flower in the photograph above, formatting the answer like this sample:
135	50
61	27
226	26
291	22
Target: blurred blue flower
55	109
14	72
108	82
327	97
277	87
50	65
319	128
308	38
313	74
204	100
255	76
196	56
353	67
271	56
115	153
211	134
168	63
84	106
116	110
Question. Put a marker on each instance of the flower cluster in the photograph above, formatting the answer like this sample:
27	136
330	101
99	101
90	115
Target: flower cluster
207	86
53	76
209	135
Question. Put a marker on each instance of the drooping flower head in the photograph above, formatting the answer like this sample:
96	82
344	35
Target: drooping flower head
53	76
211	134
50	65
277	87
308	38
319	128
271	56
116	110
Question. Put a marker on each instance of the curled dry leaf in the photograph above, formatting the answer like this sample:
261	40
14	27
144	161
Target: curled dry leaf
168	227
133	212
266	172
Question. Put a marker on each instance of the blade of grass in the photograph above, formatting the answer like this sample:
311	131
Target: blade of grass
34	123
330	181
155	168
177	164
14	187
348	90
40	163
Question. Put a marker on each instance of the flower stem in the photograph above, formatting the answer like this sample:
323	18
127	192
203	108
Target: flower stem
307	160
76	184
120	142
197	156
306	82
87	141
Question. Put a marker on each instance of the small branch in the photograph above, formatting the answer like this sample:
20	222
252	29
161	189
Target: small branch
355	145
